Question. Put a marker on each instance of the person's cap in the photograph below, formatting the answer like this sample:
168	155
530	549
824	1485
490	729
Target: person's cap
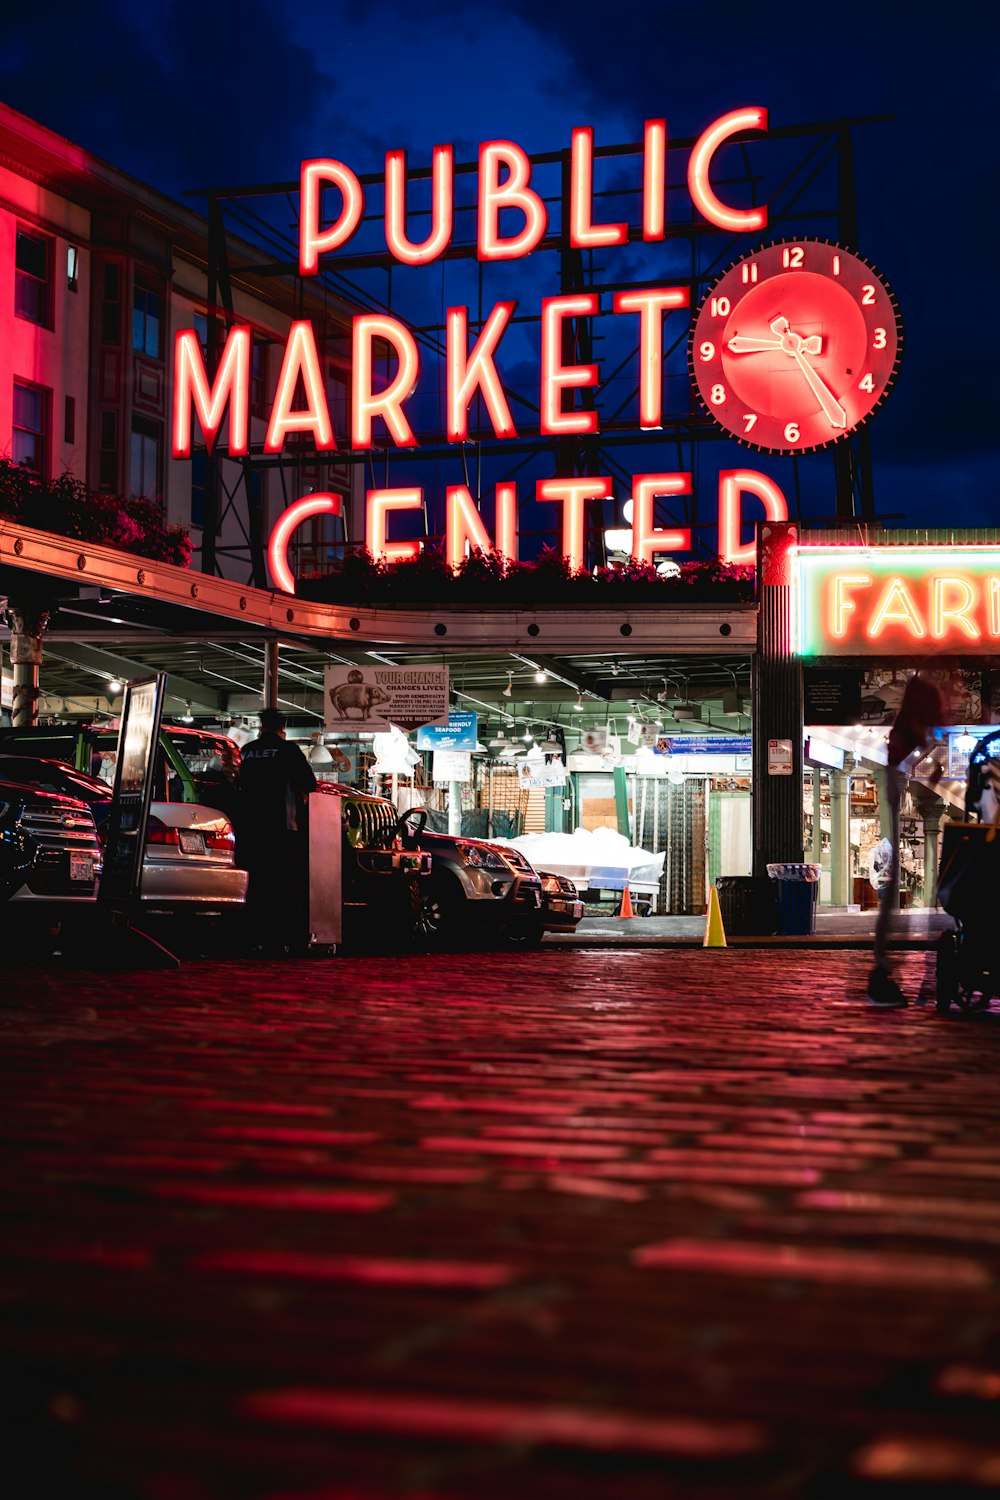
271	720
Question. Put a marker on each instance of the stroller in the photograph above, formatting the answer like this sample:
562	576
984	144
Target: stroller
968	958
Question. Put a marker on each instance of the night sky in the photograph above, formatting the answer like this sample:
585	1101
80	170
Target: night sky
188	94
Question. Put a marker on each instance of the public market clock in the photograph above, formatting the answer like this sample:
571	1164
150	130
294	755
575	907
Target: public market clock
795	346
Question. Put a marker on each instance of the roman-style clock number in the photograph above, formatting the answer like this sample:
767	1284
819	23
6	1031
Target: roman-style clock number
795	346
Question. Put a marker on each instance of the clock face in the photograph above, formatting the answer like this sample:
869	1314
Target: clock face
795	346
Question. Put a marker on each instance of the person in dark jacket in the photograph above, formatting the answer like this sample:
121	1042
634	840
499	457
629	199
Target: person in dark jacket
272	838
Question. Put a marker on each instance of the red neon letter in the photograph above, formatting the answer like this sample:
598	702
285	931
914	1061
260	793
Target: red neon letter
378	505
387	404
313	241
232	383
302	359
557	377
651	306
582	231
465	524
442	172
277	547
958	613
995	606
468	373
573	493
841	604
646	538
896	607
654	180
512	193
732	484
739	220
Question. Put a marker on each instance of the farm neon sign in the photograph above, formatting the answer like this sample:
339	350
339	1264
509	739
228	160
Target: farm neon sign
855	601
511	220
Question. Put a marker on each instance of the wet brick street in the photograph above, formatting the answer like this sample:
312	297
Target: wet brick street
573	1225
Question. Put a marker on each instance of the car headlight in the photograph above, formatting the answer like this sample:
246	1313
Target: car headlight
480	858
550	884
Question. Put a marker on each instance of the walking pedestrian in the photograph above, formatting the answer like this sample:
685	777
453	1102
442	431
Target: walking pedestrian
909	740
272	839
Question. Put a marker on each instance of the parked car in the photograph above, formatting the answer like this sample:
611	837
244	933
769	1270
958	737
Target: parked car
194	765
477	892
383	881
562	908
188	872
50	859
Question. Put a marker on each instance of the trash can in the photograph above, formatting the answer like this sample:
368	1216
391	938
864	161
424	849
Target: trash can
748	905
797	890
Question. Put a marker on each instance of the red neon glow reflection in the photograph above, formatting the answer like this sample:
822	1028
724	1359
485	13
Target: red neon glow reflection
703	195
442	192
231	387
654	180
288	521
464	524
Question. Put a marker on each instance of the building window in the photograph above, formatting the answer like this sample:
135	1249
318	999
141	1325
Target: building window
107	470
31	409
144	459
147	316
31	284
111	306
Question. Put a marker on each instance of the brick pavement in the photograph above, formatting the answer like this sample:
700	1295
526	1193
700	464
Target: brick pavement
573	1225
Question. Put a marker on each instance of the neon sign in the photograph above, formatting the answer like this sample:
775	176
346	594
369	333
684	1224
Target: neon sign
900	601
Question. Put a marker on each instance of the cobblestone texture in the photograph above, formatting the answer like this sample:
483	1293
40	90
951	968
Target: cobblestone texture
573	1225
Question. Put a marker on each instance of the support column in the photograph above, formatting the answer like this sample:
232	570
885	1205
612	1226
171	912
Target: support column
455	809
27	627
932	827
777	704
840	837
270	693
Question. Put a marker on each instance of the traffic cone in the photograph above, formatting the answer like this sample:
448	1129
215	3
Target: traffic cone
626	907
715	933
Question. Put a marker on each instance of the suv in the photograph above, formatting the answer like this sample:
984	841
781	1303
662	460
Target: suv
50	857
382	880
194	765
475	884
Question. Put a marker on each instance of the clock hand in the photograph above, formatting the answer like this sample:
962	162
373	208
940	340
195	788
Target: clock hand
741	344
793	344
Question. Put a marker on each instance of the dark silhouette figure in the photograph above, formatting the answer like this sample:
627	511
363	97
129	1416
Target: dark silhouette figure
272	839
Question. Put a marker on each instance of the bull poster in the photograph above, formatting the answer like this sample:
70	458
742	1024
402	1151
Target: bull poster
373	699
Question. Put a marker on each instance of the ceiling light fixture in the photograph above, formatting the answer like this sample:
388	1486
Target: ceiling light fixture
578	705
187	717
510	683
541	676
114	687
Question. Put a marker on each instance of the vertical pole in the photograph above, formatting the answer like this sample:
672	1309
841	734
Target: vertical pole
455	809
840	836
27	627
932	827
817	793
270	693
777	703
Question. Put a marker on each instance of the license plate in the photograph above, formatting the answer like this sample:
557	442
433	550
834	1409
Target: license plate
81	867
191	841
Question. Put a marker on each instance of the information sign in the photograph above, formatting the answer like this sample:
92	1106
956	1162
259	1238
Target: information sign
376	698
460	733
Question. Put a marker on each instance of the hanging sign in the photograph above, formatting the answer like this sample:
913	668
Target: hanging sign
452	765
460	733
532	775
378	697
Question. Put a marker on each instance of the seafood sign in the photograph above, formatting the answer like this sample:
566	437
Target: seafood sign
376	698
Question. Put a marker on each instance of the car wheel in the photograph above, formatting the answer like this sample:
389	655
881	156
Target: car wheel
526	932
436	919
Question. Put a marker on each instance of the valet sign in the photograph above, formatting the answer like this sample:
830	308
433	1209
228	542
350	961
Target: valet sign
791	350
897	601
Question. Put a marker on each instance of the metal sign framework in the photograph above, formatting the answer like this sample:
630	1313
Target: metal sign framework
816	159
